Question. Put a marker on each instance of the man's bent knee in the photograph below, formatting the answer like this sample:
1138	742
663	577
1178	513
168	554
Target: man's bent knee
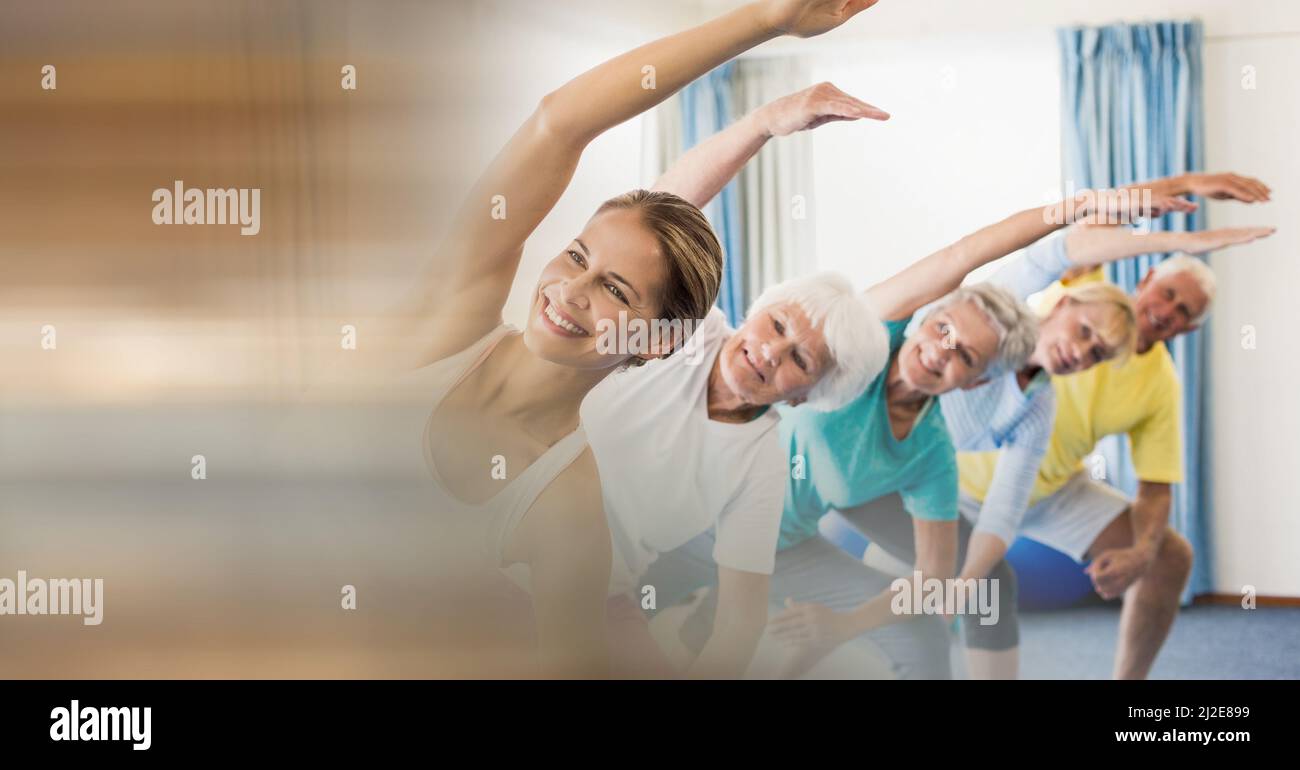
1174	559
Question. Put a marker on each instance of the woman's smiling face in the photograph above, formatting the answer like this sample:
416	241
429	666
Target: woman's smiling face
951	349
776	355
614	266
1069	340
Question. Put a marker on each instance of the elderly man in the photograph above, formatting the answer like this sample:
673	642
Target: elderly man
1134	552
889	440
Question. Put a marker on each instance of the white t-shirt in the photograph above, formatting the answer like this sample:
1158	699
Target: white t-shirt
668	472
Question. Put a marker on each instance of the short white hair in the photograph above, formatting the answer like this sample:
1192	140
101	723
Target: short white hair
1014	323
854	334
1200	272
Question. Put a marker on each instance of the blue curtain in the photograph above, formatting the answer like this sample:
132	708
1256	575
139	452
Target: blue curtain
707	107
1131	110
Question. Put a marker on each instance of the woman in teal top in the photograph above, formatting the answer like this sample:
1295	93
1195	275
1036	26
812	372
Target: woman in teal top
891	440
851	456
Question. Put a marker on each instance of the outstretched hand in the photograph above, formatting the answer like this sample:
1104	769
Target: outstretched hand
1205	241
813	107
1221	187
1127	204
809	18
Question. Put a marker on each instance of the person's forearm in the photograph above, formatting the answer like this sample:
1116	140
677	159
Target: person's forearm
1178	184
1001	238
982	555
940	273
707	168
875	613
1027	227
1008	495
728	652
738	624
1091	245
700	174
1221	185
624	87
1150	516
878	611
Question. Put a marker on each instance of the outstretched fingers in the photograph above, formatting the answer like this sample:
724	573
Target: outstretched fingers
1164	204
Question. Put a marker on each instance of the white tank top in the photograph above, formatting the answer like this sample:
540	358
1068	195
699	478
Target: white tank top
490	523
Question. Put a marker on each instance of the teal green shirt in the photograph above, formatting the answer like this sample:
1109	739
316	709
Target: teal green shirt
848	457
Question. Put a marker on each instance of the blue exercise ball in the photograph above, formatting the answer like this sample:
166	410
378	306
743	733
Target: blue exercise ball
1047	578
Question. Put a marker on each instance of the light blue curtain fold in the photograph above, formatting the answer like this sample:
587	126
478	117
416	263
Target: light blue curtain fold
1131	111
707	107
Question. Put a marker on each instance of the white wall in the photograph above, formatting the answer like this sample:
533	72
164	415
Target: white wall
974	135
974	91
1254	416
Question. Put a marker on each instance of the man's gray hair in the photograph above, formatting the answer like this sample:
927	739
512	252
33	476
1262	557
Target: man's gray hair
1200	272
1015	324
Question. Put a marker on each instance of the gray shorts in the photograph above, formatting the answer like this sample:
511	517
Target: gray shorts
1071	518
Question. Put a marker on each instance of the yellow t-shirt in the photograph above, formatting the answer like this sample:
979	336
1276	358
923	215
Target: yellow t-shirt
1141	397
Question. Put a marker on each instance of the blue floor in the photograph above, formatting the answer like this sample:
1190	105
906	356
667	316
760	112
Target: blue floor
1207	642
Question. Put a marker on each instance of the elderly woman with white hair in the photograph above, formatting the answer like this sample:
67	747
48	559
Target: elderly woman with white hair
688	443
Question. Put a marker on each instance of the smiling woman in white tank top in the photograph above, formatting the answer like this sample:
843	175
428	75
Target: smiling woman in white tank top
502	440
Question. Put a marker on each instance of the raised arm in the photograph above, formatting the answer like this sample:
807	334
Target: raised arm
738	625
701	173
475	264
1092	245
1005	504
932	277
